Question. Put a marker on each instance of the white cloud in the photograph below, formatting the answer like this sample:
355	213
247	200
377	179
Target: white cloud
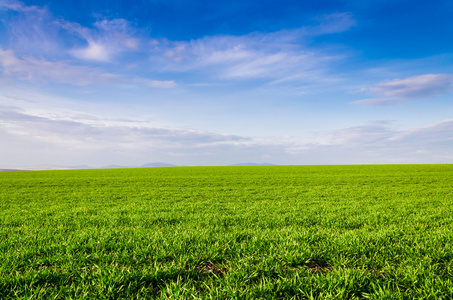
363	136
262	66
41	71
280	56
29	29
334	23
431	134
34	33
273	57
253	56
21	7
161	84
117	25
84	139
106	40
95	132
401	90
380	143
94	51
35	30
32	69
118	31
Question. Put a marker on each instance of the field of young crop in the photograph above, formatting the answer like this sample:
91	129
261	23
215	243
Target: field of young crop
277	232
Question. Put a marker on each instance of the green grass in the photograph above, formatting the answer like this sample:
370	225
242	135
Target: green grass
279	232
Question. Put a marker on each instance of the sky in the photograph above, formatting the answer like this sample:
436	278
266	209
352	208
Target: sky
223	82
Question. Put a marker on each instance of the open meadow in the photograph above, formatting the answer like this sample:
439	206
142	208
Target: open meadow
272	232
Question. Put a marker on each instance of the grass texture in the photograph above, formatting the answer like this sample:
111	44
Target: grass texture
270	232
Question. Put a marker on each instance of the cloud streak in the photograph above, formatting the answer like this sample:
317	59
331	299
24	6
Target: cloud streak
276	57
76	136
397	91
253	56
334	23
280	56
380	143
20	7
107	39
94	132
42	71
32	69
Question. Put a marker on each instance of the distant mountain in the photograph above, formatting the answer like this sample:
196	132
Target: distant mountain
149	165
251	164
158	165
80	167
116	167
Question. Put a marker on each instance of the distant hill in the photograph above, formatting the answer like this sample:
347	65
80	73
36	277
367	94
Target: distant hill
149	165
81	167
116	167
158	165
251	164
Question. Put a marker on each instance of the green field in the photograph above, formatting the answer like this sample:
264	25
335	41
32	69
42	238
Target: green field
277	232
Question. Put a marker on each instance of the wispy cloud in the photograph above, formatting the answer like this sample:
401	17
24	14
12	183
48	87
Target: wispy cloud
37	28
105	40
276	57
334	23
20	6
281	56
29	29
94	133
431	134
253	56
380	143
396	91
94	51
32	69
375	143
42	71
161	84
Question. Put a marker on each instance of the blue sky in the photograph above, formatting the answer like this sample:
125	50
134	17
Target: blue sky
224	82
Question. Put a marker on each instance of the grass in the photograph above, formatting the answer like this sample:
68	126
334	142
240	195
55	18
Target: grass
277	232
